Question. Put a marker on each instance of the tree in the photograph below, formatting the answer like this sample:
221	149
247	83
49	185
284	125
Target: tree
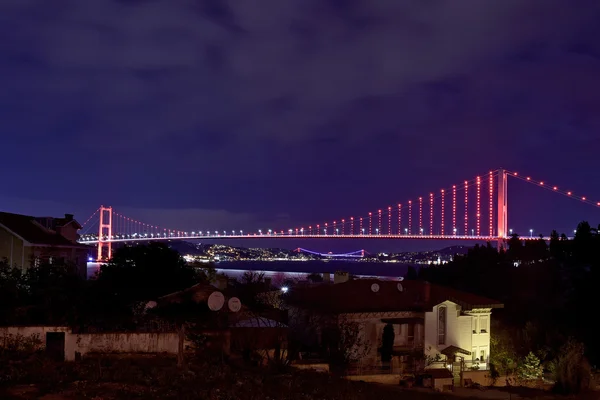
387	343
503	355
145	272
344	340
529	368
572	371
314	277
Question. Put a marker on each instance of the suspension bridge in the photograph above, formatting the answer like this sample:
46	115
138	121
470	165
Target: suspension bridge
353	254
474	209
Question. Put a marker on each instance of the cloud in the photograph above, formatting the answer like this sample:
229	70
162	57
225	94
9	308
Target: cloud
269	103
193	219
280	72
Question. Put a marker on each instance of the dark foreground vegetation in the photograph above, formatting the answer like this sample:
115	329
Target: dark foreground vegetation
549	322
158	377
547	328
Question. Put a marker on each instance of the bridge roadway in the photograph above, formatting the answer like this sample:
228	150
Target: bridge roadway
306	236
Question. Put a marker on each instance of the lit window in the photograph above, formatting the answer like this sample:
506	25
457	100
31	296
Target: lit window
483	324
482	358
442	325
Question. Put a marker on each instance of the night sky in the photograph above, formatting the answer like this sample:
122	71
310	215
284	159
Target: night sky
270	113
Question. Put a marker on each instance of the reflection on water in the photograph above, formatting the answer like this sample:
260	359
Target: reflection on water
296	269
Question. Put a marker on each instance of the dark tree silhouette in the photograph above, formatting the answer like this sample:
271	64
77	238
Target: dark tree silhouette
387	343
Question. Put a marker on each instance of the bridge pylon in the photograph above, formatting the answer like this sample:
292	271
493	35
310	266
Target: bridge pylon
502	207
105	230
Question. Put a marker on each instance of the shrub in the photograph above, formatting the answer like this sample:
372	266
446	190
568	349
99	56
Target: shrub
529	369
571	369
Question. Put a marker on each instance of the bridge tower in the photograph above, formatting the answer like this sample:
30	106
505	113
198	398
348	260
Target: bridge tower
105	230
502	207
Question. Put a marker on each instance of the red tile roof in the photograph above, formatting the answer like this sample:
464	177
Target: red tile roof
35	233
357	296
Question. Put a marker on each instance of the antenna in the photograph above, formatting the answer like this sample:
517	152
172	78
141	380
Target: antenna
375	287
216	301
234	304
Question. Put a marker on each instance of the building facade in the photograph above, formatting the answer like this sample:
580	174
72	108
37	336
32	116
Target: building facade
27	241
433	326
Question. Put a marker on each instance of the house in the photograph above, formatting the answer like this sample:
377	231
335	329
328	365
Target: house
434	326
27	241
260	335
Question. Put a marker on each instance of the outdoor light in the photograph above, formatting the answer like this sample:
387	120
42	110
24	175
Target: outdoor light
284	289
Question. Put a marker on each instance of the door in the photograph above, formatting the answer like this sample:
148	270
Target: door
55	345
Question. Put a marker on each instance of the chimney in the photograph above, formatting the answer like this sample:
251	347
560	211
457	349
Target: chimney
220	282
69	217
341	277
326	277
426	291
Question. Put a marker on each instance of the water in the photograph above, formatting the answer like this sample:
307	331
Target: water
303	268
299	269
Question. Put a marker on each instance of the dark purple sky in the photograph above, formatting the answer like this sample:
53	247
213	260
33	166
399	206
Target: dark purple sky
255	114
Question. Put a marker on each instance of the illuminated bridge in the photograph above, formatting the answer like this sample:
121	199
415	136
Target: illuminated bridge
474	209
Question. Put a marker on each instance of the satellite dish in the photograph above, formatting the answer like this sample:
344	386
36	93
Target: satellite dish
234	304
216	301
150	305
400	288
375	287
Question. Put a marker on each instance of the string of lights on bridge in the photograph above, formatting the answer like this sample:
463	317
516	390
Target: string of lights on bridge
465	210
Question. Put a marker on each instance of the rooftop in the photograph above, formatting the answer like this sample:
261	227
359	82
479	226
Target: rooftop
357	296
39	231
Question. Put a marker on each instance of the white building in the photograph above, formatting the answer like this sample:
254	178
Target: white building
434	326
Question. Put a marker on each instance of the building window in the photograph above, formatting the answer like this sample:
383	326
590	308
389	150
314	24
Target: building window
474	323
482	357
474	354
411	334
483	324
442	325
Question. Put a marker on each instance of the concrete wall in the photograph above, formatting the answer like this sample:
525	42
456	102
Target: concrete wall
387	379
120	343
29	331
483	378
458	329
481	331
101	342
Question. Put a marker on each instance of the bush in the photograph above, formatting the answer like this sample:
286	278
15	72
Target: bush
529	369
572	370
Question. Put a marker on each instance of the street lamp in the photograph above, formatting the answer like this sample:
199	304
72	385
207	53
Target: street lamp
531	232
406	231
377	231
510	231
337	231
363	231
421	230
454	231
